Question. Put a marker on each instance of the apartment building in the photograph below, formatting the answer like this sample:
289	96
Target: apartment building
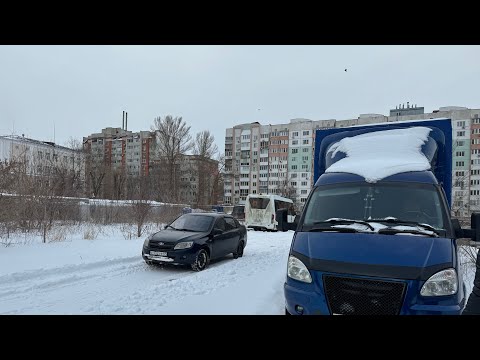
41	158
279	158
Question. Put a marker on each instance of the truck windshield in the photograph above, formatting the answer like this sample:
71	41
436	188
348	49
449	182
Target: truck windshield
420	203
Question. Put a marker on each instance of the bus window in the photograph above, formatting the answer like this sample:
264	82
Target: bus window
259	203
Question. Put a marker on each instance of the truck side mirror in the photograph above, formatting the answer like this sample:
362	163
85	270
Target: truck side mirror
282	218
475	225
457	229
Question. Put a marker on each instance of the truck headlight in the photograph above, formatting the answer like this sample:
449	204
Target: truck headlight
297	270
183	245
441	284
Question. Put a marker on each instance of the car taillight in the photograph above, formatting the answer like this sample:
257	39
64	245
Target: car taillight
273	218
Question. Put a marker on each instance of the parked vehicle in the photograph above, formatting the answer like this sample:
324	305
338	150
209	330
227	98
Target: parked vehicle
375	235
194	239
238	213
260	210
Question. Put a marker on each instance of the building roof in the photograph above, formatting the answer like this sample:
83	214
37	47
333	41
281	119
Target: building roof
35	142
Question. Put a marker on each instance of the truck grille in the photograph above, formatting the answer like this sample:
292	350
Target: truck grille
354	296
156	246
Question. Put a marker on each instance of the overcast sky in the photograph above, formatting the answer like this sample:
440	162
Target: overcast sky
81	89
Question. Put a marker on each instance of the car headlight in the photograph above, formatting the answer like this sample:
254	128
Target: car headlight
297	270
183	245
440	284
147	241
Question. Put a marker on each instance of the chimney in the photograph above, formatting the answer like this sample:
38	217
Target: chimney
126	117
408	105
123	119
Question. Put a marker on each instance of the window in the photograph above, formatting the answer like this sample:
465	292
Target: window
230	224
294	167
294	142
295	133
304	175
304	158
305	133
293	183
460	173
305	142
305	149
304	192
304	167
461	123
460	163
460	133
294	151
220	224
460	153
295	175
460	142
304	183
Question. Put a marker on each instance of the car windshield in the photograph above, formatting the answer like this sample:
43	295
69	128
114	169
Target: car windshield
190	222
390	202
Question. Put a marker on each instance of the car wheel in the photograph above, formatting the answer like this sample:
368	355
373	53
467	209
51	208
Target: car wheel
239	252
201	260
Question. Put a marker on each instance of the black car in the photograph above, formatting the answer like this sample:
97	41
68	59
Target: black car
193	239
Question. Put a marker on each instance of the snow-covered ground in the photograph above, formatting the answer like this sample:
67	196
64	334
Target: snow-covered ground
108	276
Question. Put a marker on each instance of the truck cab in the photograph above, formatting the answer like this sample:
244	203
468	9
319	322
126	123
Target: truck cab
376	236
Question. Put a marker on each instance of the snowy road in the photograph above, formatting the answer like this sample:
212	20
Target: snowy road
108	276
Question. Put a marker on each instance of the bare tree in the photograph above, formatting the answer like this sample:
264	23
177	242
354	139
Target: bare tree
204	145
217	189
205	149
173	140
141	205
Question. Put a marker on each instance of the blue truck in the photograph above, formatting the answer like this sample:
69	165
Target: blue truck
376	234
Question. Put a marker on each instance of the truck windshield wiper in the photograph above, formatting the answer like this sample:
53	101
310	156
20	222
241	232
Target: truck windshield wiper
393	220
334	221
171	227
391	231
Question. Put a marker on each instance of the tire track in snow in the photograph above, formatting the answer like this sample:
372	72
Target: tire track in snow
49	279
218	275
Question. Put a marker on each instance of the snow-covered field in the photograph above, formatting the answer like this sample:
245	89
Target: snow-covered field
108	276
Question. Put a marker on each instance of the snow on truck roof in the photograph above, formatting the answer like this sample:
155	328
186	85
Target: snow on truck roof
377	155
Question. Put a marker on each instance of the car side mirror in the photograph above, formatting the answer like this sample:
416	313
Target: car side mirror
217	231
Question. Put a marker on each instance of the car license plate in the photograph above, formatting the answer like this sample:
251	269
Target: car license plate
158	253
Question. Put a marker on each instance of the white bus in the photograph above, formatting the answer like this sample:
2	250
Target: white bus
260	211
